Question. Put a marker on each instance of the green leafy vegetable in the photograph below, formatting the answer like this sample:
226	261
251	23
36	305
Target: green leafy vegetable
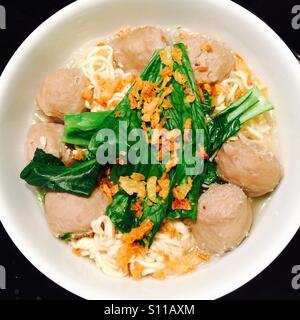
156	212
126	219
211	175
194	111
176	117
119	210
66	236
207	100
79	128
120	214
48	172
228	122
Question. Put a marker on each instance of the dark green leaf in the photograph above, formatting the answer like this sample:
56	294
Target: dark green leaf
196	112
66	236
48	172
228	122
120	214
156	213
211	175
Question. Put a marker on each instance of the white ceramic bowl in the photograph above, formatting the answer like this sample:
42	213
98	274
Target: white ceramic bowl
50	45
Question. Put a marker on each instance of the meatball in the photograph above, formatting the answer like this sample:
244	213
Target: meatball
250	166
224	218
67	213
133	50
46	136
60	93
210	59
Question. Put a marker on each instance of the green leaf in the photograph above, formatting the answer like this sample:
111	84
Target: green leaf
66	236
195	111
228	122
211	175
120	214
156	213
79	128
119	210
48	172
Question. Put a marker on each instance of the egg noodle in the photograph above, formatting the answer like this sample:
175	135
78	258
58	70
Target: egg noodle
96	62
172	244
174	248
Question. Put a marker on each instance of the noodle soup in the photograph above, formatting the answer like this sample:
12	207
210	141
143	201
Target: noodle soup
188	232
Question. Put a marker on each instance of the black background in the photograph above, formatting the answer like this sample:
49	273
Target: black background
26	282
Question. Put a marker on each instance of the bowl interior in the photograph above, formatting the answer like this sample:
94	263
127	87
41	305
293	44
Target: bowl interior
50	46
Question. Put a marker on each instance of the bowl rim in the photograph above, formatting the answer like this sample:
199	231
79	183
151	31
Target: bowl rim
57	278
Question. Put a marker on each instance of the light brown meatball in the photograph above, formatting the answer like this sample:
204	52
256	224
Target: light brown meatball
60	93
224	218
210	59
250	166
67	213
133	50
46	136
